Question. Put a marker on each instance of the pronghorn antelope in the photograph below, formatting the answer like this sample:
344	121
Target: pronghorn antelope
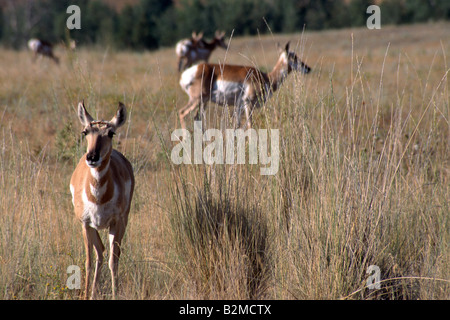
102	187
196	49
241	86
43	48
185	47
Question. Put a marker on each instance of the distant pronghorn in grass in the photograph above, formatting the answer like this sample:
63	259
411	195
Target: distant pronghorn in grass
102	186
197	49
43	48
241	86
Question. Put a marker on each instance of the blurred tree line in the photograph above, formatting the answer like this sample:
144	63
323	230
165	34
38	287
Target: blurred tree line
149	24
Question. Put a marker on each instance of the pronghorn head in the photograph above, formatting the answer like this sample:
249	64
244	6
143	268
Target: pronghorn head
293	62
220	39
99	134
196	38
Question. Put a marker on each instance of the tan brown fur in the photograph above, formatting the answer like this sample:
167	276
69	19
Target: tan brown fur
102	187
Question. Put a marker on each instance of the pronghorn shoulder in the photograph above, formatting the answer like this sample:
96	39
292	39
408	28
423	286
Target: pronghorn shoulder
120	163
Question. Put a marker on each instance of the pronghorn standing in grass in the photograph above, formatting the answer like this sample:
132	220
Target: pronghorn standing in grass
241	86
43	48
102	187
196	49
186	48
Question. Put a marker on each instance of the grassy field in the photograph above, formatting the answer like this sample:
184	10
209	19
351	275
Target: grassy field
363	180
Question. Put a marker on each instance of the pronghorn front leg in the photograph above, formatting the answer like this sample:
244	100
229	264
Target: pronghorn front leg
248	114
88	247
92	239
116	233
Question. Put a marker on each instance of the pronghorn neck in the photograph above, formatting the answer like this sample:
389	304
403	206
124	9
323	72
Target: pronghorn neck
100	186
210	45
100	173
279	73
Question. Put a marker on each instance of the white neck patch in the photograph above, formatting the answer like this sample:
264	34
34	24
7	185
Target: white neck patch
97	175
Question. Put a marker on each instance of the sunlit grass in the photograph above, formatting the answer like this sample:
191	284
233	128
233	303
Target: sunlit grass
363	178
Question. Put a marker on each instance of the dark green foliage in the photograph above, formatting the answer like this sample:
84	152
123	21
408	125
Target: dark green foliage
150	24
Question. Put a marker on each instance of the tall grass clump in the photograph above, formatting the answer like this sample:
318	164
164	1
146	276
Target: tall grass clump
361	188
363	182
220	235
35	251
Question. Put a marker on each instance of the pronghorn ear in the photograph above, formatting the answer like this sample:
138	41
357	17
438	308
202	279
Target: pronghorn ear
120	117
286	48
83	115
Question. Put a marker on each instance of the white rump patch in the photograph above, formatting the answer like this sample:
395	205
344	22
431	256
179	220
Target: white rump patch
33	44
187	77
182	47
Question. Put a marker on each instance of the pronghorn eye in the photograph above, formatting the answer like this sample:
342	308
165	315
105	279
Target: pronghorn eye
84	132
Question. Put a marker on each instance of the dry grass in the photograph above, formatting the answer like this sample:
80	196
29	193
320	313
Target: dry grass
363	179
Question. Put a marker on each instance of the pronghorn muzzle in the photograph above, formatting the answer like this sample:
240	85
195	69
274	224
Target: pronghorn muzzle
93	159
305	69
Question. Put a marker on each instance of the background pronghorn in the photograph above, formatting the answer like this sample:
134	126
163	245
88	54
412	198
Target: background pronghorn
241	86
185	48
102	187
43	48
196	49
